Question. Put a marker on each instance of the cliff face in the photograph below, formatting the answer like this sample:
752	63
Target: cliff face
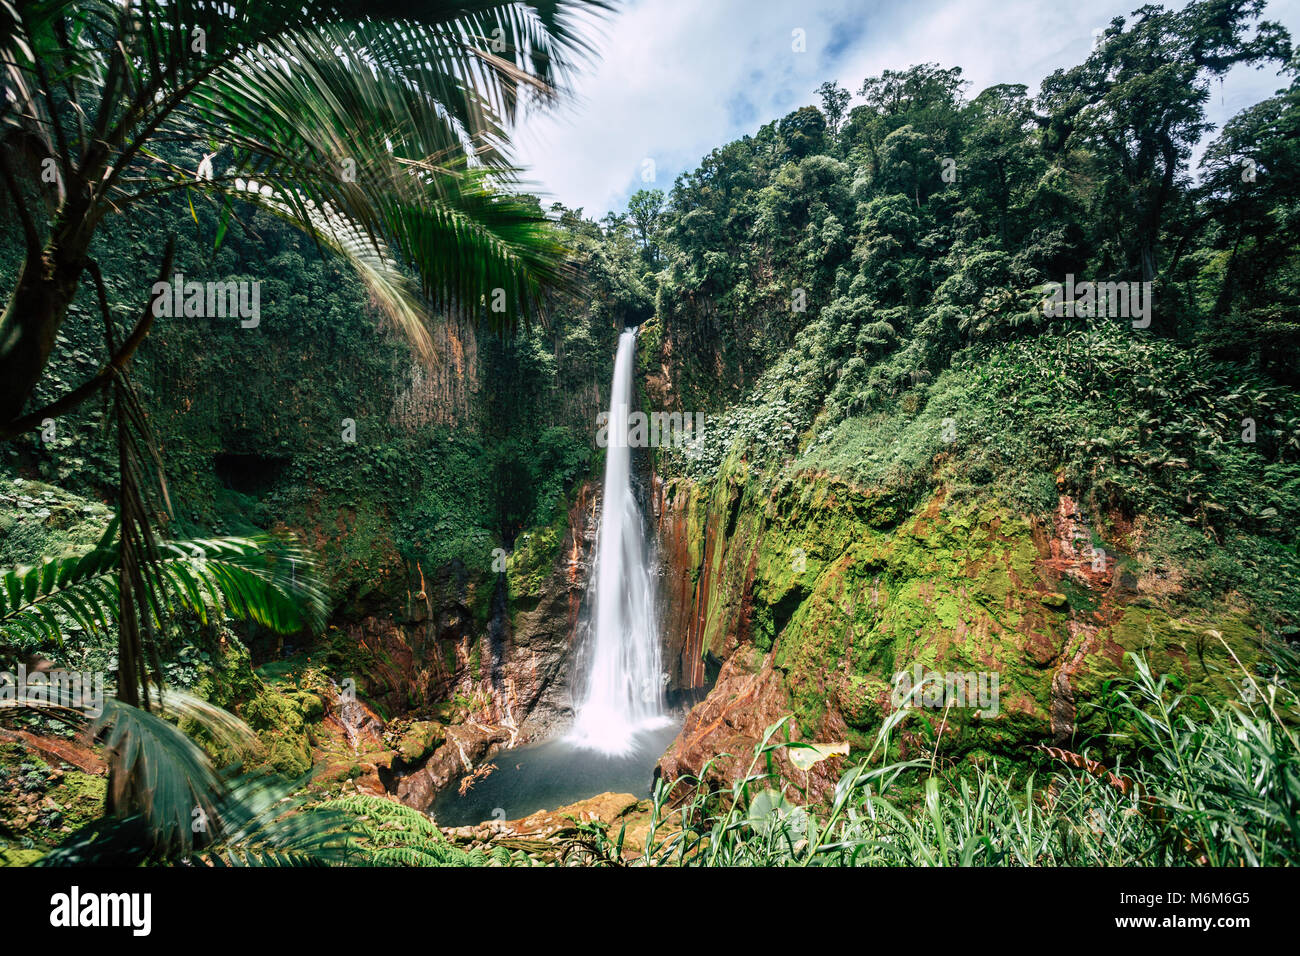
817	594
509	677
683	597
442	392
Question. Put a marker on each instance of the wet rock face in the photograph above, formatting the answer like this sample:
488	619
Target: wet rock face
385	661
530	675
818	595
348	744
501	641
731	721
540	641
467	746
512	671
681	601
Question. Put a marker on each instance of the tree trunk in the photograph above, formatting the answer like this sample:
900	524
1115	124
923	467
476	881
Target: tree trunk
38	305
1224	301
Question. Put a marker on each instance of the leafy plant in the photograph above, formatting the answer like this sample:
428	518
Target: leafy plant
1212	785
392	834
266	580
379	131
175	807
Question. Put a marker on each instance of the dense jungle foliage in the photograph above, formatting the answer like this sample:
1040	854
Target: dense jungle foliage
861	289
856	291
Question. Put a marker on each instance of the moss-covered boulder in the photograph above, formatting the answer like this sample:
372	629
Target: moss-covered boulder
419	739
280	711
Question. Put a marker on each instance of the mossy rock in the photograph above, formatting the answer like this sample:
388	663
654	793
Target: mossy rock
17	856
421	738
280	718
311	705
530	565
806	566
42	803
280	713
41	521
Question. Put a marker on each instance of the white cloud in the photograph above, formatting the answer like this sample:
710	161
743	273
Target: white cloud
674	79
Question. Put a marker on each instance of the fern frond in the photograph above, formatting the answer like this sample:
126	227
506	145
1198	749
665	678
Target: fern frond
262	579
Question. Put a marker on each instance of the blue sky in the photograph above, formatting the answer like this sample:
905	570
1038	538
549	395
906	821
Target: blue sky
672	79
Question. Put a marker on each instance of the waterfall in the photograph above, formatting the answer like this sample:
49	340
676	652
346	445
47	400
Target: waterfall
623	690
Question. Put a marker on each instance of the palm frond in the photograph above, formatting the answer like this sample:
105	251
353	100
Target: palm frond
264	579
262	822
413	97
271	828
357	158
167	802
159	772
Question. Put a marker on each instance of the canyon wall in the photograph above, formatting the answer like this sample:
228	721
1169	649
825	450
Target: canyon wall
814	594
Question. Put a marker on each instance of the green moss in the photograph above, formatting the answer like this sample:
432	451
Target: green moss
41	803
39	521
15	856
419	740
280	713
1198	651
848	591
530	565
280	719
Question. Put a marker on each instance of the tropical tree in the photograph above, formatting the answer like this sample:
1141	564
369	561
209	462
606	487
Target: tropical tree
1251	178
379	128
925	97
644	208
835	101
1139	101
263	579
156	775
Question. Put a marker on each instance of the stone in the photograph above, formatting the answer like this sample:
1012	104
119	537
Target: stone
466	747
421	738
606	808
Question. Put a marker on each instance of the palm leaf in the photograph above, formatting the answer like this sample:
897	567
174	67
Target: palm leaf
263	579
158	772
253	821
262	823
181	807
356	158
418	95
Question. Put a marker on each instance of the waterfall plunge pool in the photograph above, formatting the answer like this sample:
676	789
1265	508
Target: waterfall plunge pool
553	774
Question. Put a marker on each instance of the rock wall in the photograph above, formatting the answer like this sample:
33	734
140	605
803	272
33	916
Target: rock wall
508	677
817	593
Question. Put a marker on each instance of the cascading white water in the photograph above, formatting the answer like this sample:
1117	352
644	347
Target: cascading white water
623	692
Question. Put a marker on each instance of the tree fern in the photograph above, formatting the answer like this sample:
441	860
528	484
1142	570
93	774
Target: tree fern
397	835
433	854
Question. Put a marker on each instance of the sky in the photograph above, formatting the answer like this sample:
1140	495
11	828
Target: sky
671	80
